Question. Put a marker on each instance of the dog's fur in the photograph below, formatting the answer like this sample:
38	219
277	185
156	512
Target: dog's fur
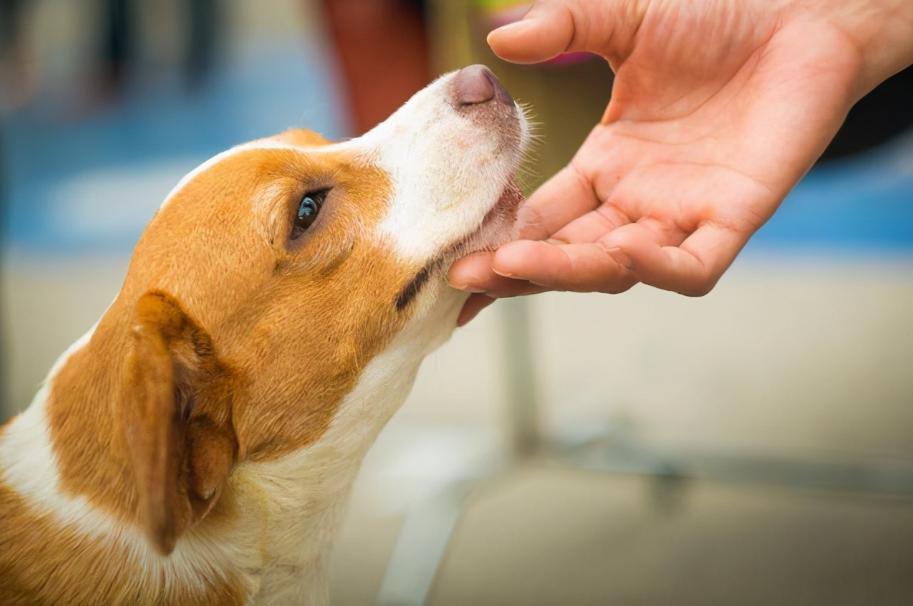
198	444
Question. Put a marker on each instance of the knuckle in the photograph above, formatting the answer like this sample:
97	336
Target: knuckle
616	288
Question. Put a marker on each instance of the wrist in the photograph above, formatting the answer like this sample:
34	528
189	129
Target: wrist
881	32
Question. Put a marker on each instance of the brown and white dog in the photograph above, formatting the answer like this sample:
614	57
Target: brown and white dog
197	446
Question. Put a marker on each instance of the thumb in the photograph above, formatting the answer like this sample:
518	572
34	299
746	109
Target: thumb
552	27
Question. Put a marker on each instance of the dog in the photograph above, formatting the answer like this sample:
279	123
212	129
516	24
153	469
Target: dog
198	445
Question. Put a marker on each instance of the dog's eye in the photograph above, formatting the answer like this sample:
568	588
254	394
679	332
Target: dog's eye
307	211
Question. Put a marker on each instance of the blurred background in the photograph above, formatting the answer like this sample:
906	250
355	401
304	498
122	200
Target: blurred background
754	446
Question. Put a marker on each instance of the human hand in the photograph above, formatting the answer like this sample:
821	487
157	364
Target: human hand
717	110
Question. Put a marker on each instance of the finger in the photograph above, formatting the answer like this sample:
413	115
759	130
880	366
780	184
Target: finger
474	304
692	269
474	274
586	267
558	201
592	226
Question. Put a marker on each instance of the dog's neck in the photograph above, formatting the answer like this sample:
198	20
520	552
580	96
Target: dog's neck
63	469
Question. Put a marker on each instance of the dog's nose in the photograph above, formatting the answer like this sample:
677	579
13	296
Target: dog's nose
476	84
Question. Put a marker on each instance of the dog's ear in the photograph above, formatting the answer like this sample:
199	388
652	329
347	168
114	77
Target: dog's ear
177	418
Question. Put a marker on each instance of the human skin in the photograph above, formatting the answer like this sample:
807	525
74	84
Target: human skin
718	108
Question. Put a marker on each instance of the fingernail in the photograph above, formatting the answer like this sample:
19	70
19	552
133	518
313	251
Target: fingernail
620	257
503	273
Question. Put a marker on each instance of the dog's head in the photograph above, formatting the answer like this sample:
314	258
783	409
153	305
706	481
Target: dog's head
277	271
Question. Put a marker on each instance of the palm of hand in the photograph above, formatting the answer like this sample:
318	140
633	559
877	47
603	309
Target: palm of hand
717	110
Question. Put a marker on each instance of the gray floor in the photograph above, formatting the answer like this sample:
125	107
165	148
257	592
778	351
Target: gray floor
548	536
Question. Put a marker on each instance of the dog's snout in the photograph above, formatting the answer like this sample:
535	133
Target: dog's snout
476	84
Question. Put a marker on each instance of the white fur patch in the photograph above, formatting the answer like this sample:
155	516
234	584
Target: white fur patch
447	171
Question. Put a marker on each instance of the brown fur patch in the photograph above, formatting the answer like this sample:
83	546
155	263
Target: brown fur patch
44	563
302	137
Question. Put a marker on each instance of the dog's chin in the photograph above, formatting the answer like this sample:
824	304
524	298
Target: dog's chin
497	227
